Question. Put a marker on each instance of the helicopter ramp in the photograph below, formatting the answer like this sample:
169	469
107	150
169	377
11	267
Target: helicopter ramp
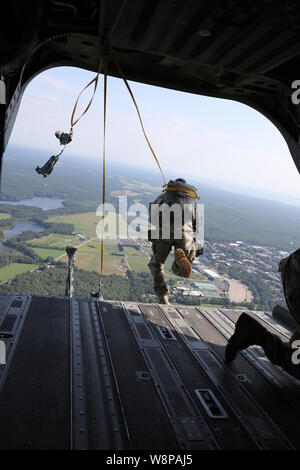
87	374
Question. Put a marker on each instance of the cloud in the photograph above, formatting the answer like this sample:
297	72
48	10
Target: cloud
44	97
60	85
207	138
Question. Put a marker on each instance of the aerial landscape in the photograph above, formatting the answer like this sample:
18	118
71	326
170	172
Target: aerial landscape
39	219
150	228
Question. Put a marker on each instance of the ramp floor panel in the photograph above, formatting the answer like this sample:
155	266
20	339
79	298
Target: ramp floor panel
228	432
35	392
273	398
87	374
146	418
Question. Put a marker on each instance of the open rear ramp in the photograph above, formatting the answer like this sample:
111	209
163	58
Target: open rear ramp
83	374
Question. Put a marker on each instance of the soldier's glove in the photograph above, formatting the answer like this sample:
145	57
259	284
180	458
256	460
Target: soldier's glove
63	137
47	169
96	295
199	252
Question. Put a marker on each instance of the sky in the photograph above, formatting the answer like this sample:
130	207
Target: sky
216	141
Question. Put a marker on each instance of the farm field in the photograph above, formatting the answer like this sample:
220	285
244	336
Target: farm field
137	260
86	223
54	241
11	270
88	254
88	258
46	252
4	216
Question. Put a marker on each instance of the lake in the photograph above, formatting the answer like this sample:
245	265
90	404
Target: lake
21	227
45	203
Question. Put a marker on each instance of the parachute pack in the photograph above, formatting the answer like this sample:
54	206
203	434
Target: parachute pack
290	274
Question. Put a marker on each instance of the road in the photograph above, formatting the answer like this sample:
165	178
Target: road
78	246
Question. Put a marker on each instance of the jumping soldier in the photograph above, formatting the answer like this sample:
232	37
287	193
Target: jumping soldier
174	218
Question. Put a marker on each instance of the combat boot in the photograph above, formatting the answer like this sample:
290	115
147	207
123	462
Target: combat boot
182	263
164	299
248	332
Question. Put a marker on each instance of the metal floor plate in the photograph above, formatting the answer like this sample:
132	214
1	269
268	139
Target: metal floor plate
110	375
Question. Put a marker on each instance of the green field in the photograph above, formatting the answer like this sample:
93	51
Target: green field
88	254
137	260
11	270
86	223
4	216
45	252
54	241
88	257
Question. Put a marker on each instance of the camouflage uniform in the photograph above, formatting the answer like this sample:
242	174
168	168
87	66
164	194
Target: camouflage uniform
249	331
277	351
162	247
280	353
161	250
